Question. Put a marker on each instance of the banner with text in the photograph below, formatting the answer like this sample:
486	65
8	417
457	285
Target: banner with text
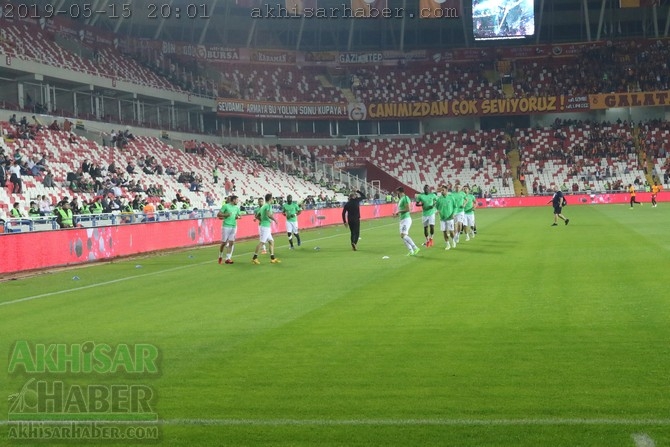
477	107
295	110
642	99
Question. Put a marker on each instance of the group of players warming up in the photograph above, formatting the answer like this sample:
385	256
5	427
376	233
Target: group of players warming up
456	211
264	215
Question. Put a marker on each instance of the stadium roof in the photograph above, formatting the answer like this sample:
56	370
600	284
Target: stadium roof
232	25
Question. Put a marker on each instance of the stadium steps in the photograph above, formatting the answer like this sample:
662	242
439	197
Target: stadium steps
491	76
508	90
514	162
324	81
349	95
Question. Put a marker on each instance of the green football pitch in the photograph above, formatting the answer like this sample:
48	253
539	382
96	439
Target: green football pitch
528	335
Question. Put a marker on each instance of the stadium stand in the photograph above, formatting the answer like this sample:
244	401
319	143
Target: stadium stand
277	83
471	157
582	156
65	158
423	82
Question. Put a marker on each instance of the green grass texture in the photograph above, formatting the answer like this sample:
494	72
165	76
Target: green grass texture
527	335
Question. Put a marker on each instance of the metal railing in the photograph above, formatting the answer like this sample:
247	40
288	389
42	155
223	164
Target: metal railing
47	223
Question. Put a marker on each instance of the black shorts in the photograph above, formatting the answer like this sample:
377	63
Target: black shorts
557	209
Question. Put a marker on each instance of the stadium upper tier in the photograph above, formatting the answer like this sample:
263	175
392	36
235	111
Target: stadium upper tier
622	66
28	41
278	83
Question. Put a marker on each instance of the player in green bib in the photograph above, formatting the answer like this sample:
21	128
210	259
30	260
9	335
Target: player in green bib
469	213
266	217
257	218
445	207
229	213
291	210
426	201
459	217
404	204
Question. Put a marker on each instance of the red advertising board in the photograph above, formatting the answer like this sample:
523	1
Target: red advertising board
83	245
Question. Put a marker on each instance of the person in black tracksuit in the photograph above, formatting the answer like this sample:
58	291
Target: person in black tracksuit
351	216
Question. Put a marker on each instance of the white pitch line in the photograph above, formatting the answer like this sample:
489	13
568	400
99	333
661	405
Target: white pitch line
90	286
144	275
643	440
523	422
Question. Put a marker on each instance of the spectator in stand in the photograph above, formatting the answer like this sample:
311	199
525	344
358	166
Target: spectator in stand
149	210
15	212
95	171
196	183
73	179
74	206
31	168
15	178
34	211
3	174
209	199
48	181
12	120
86	166
44	206
67	125
137	203
54	126
64	215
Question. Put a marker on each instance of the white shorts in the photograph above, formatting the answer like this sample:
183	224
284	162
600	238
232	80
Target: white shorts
447	225
229	234
428	220
459	217
292	227
470	220
405	225
265	234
